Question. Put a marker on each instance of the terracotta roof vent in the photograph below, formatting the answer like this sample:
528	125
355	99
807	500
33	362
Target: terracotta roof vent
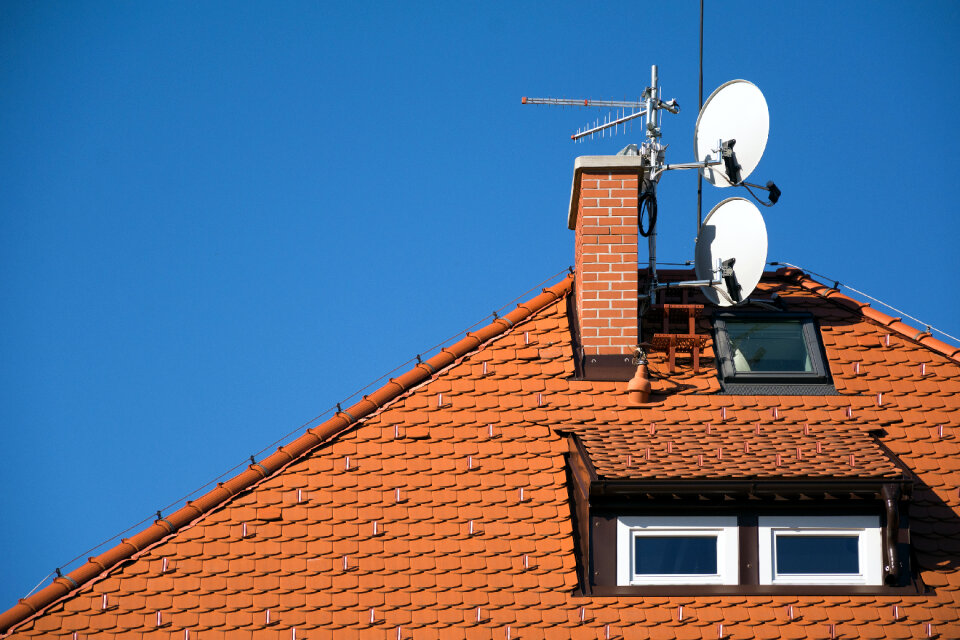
639	386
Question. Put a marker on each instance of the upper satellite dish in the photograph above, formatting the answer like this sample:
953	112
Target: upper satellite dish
734	235
736	111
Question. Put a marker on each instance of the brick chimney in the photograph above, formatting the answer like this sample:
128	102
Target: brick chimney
603	214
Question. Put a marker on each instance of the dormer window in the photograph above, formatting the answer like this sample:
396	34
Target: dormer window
677	550
787	550
770	353
820	550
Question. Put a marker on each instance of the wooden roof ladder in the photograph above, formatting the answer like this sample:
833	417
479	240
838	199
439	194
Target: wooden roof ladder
689	342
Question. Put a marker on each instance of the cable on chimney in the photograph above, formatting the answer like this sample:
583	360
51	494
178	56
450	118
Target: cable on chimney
647	200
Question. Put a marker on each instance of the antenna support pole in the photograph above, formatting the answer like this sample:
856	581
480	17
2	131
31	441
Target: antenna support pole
699	109
648	183
653	104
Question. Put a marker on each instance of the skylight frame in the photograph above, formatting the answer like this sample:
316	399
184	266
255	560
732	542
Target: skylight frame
809	331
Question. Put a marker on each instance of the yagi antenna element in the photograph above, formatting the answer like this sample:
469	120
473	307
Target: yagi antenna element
598	127
641	108
582	133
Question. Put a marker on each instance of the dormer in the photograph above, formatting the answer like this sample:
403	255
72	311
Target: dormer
725	481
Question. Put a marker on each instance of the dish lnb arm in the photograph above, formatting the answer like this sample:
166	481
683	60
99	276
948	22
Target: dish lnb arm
705	164
715	280
722	275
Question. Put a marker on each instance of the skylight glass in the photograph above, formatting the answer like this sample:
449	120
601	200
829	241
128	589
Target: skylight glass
768	346
779	351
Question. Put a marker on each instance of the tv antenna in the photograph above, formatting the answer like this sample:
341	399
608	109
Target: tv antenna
597	127
729	140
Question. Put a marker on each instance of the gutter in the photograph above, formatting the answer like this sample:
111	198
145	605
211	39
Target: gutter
701	486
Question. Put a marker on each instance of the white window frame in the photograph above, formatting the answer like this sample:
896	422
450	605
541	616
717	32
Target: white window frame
724	528
865	528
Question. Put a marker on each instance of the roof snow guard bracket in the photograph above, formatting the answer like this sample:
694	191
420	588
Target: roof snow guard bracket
599	502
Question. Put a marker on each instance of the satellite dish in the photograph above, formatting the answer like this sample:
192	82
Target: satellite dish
735	111
734	235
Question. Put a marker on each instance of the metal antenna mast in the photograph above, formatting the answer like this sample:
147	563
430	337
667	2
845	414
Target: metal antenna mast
700	107
650	150
731	256
652	166
654	152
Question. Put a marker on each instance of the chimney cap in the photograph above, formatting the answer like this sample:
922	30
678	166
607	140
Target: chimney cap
612	164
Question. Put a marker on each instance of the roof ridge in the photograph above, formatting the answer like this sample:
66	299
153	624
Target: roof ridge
923	338
286	454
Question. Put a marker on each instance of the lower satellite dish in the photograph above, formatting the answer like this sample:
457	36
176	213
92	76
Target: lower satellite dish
733	236
735	115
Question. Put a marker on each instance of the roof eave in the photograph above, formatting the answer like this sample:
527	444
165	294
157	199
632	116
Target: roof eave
759	487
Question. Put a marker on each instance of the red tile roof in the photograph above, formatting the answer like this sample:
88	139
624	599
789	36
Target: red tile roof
767	449
454	505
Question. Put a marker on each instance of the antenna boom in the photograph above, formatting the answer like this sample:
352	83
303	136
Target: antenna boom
586	102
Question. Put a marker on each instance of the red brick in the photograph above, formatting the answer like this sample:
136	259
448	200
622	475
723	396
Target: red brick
595	193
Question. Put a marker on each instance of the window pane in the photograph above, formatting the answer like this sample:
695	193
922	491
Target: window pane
675	555
817	554
768	346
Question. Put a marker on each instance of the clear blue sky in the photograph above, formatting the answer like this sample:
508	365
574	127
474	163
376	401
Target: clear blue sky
218	219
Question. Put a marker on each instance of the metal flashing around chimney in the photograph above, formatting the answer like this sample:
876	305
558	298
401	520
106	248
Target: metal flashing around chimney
608	367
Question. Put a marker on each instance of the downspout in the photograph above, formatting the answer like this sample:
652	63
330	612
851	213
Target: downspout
891	533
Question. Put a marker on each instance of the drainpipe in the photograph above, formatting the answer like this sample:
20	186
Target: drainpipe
891	502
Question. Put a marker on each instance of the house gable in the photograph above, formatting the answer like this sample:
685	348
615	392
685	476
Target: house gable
445	504
466	479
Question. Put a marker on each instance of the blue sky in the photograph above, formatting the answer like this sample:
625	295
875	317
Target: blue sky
218	219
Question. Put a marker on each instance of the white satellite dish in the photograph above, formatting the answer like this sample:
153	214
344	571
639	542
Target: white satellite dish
733	230
735	111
